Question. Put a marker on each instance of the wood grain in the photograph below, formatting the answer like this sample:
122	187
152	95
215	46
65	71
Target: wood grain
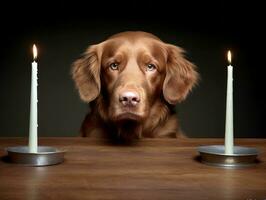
148	169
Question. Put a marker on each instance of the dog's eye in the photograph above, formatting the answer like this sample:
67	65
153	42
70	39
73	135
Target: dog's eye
114	66
151	67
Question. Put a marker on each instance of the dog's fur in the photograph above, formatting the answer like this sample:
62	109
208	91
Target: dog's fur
139	64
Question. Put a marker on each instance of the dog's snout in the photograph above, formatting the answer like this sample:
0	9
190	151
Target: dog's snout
129	98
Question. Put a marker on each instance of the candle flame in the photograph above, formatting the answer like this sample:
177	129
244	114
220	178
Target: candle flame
229	57
34	49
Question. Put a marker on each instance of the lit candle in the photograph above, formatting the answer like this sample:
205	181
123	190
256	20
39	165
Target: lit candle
33	127
229	127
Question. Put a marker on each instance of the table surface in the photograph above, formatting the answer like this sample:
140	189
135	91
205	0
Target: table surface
150	169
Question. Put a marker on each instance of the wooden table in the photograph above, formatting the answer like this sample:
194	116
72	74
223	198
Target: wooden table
151	169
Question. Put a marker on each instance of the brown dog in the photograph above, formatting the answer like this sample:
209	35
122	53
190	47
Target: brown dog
132	82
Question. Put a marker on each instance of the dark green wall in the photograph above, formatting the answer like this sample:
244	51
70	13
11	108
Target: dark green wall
62	32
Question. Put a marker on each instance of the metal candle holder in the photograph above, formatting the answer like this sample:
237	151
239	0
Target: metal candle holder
215	155
45	156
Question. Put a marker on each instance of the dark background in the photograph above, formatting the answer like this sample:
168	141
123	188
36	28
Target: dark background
62	31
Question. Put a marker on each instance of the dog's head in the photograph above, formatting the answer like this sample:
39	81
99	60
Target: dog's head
130	71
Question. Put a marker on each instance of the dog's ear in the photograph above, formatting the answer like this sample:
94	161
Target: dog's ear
86	74
180	77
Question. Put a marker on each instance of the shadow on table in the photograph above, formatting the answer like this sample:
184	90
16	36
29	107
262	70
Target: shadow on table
197	158
5	159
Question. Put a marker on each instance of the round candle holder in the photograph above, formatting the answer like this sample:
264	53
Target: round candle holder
45	156
215	155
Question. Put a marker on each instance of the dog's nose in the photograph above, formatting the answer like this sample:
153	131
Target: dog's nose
129	98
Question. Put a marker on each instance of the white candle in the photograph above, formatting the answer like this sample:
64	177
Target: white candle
229	126
33	127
